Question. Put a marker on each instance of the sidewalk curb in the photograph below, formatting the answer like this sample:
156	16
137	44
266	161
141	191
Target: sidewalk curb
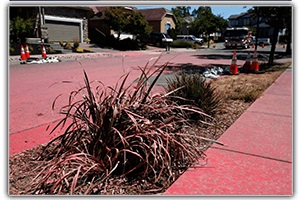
258	157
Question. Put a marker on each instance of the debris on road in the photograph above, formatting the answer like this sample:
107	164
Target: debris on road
213	73
53	59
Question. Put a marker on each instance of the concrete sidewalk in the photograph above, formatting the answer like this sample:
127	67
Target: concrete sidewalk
258	156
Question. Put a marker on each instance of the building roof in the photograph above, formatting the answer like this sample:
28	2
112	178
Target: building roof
155	14
94	8
99	11
237	16
233	16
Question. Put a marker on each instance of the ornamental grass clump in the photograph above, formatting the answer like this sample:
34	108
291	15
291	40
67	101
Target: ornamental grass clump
193	89
121	133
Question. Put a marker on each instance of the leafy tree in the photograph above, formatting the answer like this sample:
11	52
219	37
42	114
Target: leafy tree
278	18
172	33
180	12
221	23
185	10
20	29
122	20
206	22
138	24
288	34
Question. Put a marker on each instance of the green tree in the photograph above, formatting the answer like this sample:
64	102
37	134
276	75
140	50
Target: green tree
278	18
138	24
206	22
123	20
180	12
221	23
20	29
185	10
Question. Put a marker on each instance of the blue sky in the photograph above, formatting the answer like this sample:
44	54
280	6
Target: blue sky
224	10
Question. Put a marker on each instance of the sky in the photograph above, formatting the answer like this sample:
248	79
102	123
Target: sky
224	10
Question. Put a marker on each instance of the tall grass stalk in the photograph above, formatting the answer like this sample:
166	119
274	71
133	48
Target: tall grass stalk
194	89
118	132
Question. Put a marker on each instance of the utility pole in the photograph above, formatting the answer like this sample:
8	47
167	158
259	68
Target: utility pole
40	23
257	27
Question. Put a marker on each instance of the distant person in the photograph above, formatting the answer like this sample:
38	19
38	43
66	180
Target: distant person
167	46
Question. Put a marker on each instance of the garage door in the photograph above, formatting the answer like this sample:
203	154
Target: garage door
62	31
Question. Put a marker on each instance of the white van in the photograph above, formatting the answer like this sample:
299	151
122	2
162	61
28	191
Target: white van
190	38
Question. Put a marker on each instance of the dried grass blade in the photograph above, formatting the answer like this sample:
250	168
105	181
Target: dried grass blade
167	94
91	98
154	82
53	188
89	190
53	104
122	85
75	179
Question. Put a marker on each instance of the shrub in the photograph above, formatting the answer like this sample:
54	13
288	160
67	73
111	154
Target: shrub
68	46
87	40
181	44
194	89
51	51
11	49
61	43
20	28
196	46
30	48
79	50
121	131
76	45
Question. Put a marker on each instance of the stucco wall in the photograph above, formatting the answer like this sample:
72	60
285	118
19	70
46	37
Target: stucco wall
167	19
160	26
155	26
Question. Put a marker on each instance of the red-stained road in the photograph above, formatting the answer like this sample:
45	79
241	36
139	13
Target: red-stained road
30	94
31	97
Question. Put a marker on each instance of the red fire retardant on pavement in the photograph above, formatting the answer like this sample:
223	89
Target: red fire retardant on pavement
256	161
33	137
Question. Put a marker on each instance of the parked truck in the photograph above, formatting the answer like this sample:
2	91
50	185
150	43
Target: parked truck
238	37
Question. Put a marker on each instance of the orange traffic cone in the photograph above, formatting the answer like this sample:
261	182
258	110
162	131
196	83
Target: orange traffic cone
247	65
263	45
233	67
44	54
283	46
253	46
255	66
23	56
27	52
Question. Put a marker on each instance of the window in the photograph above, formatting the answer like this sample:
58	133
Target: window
168	26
